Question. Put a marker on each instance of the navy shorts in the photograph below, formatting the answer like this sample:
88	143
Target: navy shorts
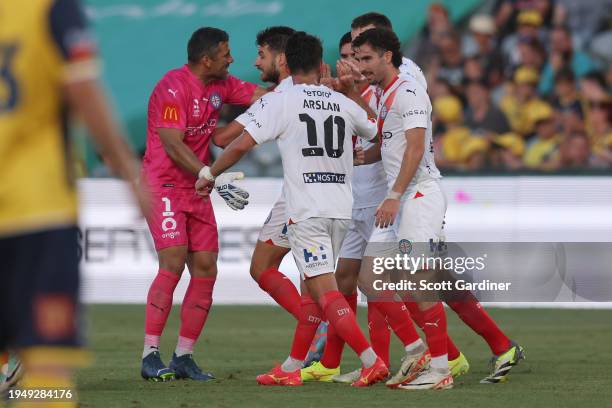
39	289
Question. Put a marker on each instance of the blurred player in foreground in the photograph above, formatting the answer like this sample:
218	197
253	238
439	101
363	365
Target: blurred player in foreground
47	69
312	125
182	115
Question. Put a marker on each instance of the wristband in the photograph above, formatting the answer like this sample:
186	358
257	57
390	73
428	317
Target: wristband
393	195
205	173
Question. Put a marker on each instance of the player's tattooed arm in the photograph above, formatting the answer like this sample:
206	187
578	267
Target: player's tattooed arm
223	136
183	156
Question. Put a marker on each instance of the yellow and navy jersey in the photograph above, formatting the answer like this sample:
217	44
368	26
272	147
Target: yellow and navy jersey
44	44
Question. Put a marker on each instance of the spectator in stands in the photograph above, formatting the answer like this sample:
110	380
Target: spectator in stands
522	106
457	147
593	87
567	103
507	10
506	152
529	24
600	133
531	53
583	17
424	46
448	63
481	44
440	87
574	153
543	148
482	117
562	54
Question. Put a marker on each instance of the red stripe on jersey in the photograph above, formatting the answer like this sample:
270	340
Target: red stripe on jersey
418	194
384	110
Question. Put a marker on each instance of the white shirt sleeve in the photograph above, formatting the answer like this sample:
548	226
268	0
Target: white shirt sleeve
366	128
267	122
248	115
414	106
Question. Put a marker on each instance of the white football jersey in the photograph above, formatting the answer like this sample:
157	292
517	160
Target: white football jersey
405	105
313	126
245	117
409	69
369	180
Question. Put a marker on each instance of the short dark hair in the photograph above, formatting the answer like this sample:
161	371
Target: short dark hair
275	37
346	39
304	53
565	74
378	20
204	42
382	40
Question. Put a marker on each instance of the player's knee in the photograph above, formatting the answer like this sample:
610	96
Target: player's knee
264	258
174	263
205	268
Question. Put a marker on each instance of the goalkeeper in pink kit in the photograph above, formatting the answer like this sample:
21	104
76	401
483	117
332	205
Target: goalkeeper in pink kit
182	115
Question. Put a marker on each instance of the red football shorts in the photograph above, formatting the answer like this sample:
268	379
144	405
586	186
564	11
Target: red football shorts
181	217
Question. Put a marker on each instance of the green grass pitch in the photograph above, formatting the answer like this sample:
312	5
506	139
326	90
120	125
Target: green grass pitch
569	363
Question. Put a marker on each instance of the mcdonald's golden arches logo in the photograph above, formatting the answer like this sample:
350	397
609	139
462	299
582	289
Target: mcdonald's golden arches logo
170	113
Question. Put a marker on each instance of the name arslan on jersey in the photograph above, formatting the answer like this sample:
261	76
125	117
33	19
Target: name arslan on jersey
321	105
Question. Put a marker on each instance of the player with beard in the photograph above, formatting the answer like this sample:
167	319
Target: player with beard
272	243
318	198
506	353
182	115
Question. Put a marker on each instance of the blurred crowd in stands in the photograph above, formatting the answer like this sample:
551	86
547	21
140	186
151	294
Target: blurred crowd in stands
517	86
523	87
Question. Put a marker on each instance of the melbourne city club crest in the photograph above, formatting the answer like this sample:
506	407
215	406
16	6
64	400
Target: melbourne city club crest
215	100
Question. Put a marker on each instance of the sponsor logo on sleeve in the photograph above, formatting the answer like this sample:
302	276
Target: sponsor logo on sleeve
170	113
414	112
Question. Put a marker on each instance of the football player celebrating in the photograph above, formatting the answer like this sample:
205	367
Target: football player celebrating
182	115
506	353
414	207
272	243
311	124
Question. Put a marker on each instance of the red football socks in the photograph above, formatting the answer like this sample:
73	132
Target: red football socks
282	290
308	322
159	302
380	335
417	316
398	317
476	317
434	326
195	308
342	318
332	355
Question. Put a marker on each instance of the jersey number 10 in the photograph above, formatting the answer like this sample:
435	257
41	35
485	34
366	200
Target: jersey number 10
313	148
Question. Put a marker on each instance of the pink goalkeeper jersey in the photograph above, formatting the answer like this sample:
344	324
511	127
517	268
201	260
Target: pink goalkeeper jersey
181	101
